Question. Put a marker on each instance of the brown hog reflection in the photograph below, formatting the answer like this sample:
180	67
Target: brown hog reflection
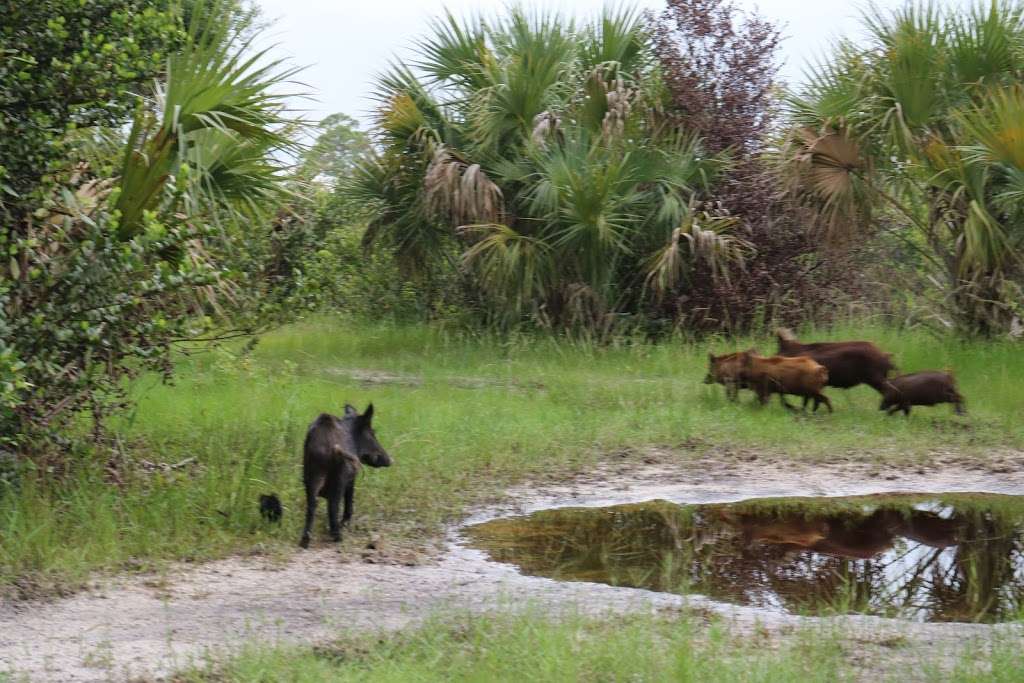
840	536
930	529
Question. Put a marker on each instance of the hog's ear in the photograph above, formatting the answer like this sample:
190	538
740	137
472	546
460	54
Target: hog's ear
711	357
350	410
368	414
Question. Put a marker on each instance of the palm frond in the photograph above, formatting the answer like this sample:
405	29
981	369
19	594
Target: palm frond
619	37
398	218
985	43
460	192
699	238
825	170
533	52
511	265
997	124
455	54
215	83
408	117
984	244
910	77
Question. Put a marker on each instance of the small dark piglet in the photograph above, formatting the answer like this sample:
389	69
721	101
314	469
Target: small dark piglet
334	450
270	507
921	389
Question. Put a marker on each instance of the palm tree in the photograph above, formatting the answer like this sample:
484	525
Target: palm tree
529	153
922	122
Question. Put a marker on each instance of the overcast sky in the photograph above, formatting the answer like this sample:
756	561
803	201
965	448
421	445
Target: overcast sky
344	43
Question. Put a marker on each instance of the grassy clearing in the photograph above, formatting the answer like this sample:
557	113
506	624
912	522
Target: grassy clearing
462	417
533	647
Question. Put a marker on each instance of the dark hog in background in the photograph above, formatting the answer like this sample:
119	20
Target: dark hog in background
849	363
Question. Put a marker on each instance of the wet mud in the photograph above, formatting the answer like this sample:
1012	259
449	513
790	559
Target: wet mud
148	626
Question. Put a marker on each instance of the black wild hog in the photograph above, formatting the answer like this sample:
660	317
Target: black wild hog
849	363
727	370
921	389
800	376
270	507
335	449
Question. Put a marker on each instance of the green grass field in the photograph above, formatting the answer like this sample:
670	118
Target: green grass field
463	417
533	647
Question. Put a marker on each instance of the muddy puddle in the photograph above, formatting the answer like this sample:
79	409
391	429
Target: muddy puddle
949	558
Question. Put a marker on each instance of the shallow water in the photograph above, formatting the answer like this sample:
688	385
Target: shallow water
956	557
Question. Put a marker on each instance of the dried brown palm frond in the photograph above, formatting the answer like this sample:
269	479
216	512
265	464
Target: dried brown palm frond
608	100
700	238
92	193
587	311
619	99
209	296
824	170
460	192
547	126
985	304
81	196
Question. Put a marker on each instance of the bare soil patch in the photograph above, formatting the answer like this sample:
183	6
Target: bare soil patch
148	626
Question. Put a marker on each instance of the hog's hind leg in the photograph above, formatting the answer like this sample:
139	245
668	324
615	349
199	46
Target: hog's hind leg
350	490
312	489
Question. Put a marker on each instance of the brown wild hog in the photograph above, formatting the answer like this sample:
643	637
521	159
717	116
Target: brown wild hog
921	389
800	376
849	363
727	370
335	449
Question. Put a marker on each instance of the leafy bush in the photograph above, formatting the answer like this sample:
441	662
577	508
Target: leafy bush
341	276
104	274
65	65
719	65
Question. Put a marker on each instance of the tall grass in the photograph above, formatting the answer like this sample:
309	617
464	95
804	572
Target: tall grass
462	417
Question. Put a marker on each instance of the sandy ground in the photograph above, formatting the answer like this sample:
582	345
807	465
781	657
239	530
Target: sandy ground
145	627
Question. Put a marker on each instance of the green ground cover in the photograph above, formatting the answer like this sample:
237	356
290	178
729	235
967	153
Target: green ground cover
533	647
462	416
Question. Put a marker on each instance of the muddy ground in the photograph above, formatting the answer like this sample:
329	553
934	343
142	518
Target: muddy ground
148	626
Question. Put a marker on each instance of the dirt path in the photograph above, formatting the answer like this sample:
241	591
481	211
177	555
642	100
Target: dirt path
149	626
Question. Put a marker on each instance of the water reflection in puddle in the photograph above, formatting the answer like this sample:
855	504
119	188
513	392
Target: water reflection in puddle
957	557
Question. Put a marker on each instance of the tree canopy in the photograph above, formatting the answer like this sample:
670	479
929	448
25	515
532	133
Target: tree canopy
923	122
534	150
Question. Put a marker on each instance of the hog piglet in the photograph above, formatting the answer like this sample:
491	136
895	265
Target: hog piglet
799	376
270	507
926	388
727	370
